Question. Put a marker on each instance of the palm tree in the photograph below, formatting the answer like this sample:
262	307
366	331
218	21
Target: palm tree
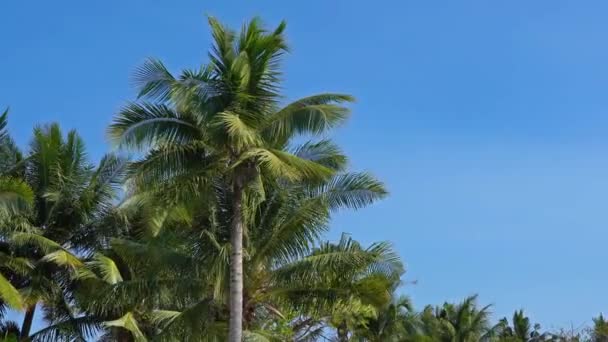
600	329
285	273
463	322
393	322
222	122
521	331
67	195
15	196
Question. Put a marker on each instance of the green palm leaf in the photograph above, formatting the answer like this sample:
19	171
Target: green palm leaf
15	195
311	115
9	294
129	323
142	125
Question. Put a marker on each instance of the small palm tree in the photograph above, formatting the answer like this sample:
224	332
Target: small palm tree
599	331
223	122
393	322
463	322
520	331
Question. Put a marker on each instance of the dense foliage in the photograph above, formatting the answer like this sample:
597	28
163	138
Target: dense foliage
217	232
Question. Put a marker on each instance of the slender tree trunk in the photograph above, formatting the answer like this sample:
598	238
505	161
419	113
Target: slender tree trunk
343	332
26	327
235	333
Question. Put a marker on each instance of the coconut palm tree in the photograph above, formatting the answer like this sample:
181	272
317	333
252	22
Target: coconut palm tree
15	196
67	195
223	122
463	322
395	321
174	277
599	331
520	331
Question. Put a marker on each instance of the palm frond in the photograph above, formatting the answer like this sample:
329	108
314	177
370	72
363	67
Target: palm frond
192	324
79	329
240	133
311	115
286	165
128	322
15	195
62	257
350	190
153	80
46	245
143	125
106	267
323	152
9	294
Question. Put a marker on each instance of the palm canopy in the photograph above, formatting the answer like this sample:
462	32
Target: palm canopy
57	197
462	322
170	272
521	329
15	194
395	321
225	115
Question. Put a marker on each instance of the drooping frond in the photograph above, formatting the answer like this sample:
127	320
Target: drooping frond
195	323
9	294
323	152
167	163
350	191
335	272
79	329
47	246
311	115
15	195
141	126
291	229
62	257
19	265
283	164
104	184
128	322
106	267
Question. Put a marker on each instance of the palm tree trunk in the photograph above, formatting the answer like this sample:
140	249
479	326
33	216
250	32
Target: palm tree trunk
26	327
235	333
343	332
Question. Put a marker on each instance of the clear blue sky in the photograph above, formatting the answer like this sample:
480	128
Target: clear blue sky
487	120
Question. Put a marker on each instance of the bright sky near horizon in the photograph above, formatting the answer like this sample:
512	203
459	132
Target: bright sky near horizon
486	119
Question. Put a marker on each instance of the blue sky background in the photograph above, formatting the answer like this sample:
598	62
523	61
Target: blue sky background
487	120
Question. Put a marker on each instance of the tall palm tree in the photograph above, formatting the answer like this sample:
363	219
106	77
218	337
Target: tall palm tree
223	122
67	194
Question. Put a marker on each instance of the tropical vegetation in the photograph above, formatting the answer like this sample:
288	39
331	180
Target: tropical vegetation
216	231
